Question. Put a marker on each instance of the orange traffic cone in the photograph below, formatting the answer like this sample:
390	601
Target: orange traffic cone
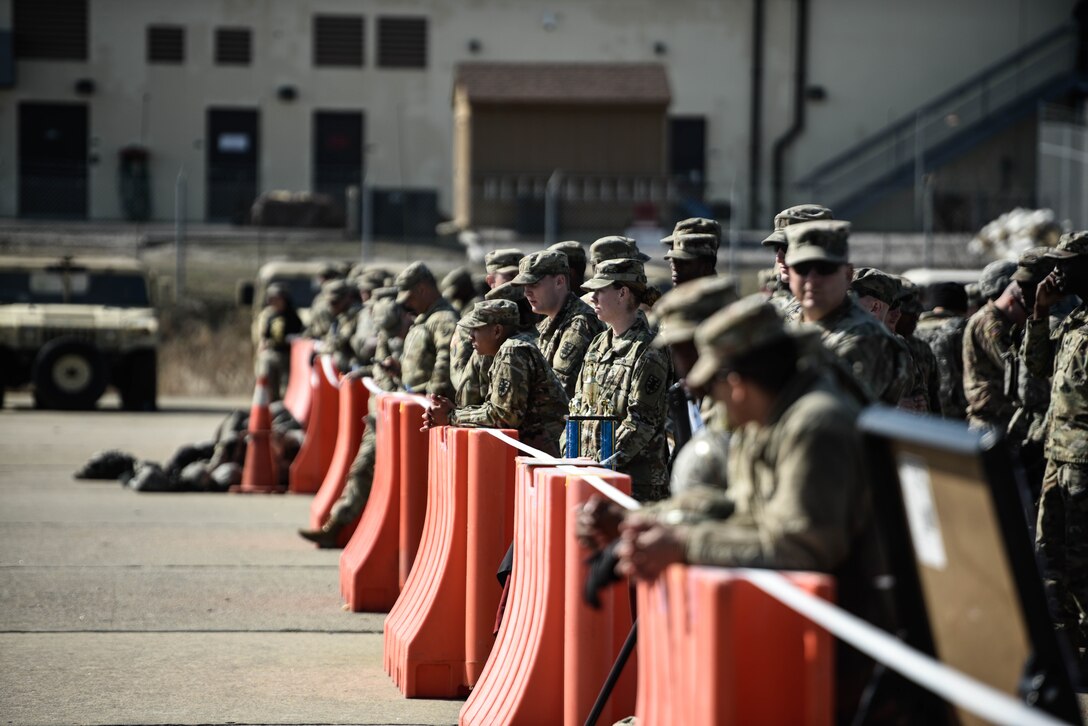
259	474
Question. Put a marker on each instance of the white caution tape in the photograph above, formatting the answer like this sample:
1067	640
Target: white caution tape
953	686
330	372
371	386
950	684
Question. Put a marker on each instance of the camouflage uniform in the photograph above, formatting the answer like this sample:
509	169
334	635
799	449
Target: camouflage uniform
925	393
563	340
781	296
425	365
524	394
787	305
986	339
943	332
273	329
338	340
623	376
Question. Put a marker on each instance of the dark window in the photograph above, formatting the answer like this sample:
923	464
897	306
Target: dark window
165	44
402	42
233	46
55	30
338	40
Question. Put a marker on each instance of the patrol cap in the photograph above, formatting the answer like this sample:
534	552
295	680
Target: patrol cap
337	288
575	252
411	276
692	247
370	280
1071	244
822	239
869	281
383	293
793	215
1033	264
496	260
909	297
744	326
506	291
607	272
694	225
459	278
386	314
615	248
491	312
535	266
680	310
995	278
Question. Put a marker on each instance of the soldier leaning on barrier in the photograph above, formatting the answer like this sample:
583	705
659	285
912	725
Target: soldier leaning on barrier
624	377
364	340
524	393
344	305
1062	526
276	324
393	323
320	316
475	380
501	267
425	365
820	276
569	325
989	335
781	295
942	329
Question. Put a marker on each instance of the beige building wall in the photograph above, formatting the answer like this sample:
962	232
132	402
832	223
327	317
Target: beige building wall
878	59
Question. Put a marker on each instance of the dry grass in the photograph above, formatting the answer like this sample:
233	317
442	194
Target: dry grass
205	352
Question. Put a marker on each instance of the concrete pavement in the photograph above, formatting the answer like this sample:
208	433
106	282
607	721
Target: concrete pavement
126	608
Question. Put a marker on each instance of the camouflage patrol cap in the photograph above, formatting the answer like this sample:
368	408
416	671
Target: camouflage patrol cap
491	312
629	271
411	276
995	278
496	260
370	280
793	215
1071	244
506	291
680	310
535	266
383	293
741	328
615	248
457	279
386	314
1033	264
823	239
337	288
692	247
575	252
871	282
695	225
909	297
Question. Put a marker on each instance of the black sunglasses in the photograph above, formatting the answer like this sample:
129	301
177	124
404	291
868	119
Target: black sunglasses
822	268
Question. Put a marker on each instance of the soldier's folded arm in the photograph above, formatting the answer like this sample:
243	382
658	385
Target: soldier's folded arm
507	401
645	406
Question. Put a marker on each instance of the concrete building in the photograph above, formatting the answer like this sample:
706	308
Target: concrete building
757	104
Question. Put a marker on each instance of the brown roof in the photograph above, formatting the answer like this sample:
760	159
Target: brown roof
579	83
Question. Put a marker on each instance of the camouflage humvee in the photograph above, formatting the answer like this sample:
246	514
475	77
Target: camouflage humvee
72	326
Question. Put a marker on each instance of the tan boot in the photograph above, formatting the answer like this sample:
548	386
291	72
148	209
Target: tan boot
325	537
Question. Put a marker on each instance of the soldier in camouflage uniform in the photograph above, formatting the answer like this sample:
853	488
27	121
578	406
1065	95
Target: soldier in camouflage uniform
524	393
343	306
320	316
942	329
425	365
476	376
624	376
1062	526
458	289
569	324
925	394
502	265
694	225
989	335
276	324
576	261
781	296
393	323
692	256
820	276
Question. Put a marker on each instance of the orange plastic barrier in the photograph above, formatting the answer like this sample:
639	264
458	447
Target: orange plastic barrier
525	674
413	453
298	396
259	472
312	462
438	634
349	434
715	649
369	563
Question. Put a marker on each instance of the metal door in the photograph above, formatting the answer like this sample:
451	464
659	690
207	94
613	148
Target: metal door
233	148
53	160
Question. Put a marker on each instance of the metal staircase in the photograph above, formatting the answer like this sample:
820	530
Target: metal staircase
947	126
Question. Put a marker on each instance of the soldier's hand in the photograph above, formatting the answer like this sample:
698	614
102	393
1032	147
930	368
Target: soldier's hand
392	365
646	548
1047	293
437	413
598	522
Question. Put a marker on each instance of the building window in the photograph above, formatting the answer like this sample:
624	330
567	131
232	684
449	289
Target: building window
233	46
165	44
338	40
402	42
55	30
